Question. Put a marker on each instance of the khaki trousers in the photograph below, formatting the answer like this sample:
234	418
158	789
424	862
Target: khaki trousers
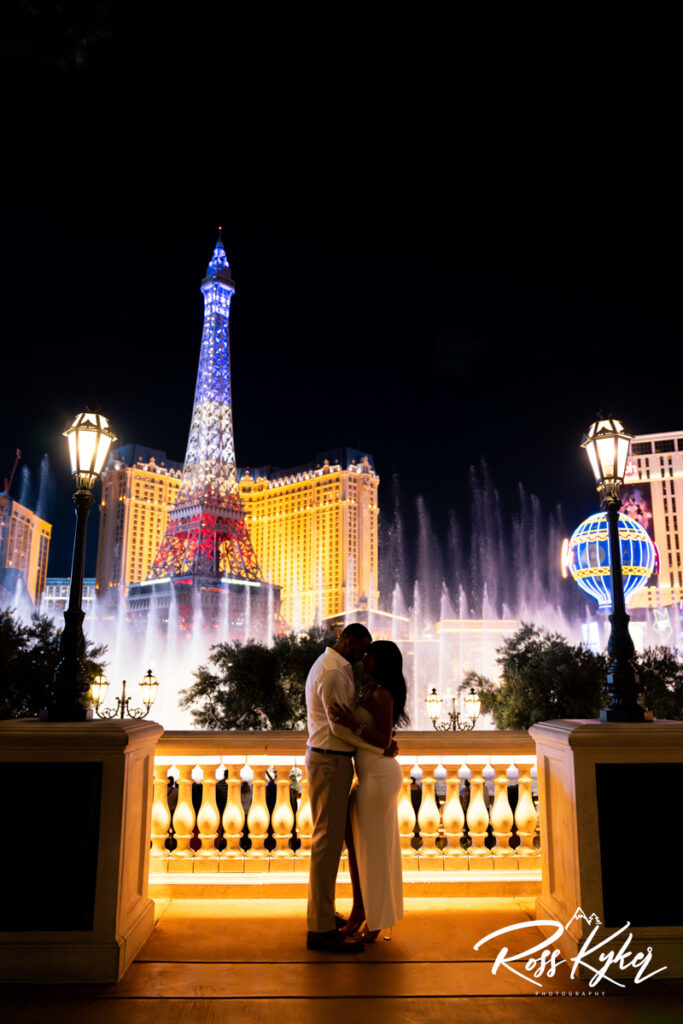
329	781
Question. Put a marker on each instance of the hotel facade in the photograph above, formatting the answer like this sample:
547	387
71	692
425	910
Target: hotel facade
139	487
314	528
653	494
24	545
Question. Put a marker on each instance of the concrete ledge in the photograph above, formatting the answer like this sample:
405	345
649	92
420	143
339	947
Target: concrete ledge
65	960
134	937
61	961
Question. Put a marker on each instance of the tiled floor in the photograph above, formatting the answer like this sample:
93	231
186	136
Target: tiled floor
243	961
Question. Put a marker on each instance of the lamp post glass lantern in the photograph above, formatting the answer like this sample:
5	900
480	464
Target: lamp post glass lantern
90	439
606	443
122	709
98	690
434	701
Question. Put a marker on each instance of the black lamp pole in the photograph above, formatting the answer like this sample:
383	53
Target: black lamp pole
70	683
90	439
606	444
622	680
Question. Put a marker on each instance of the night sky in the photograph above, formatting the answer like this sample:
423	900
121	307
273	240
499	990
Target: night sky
441	252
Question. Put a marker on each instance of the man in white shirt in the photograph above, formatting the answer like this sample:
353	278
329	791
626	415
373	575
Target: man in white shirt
329	768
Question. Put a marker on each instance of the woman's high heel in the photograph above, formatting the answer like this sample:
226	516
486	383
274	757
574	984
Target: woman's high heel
351	926
365	935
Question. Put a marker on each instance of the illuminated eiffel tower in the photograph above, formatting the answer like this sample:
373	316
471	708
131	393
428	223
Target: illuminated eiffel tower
206	551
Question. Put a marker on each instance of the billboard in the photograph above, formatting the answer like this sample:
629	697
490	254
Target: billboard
636	503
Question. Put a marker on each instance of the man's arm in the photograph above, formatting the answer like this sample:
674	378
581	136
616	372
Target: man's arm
351	737
334	687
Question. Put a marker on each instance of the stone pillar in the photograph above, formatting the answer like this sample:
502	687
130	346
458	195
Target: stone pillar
611	835
77	800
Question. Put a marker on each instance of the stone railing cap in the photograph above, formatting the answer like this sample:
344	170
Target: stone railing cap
589	732
116	733
293	742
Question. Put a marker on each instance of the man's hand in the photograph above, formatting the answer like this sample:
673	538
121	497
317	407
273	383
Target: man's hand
391	750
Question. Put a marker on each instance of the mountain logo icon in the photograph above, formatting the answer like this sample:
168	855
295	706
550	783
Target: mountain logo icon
581	916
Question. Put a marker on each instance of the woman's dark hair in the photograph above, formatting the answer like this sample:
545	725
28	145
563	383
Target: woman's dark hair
388	672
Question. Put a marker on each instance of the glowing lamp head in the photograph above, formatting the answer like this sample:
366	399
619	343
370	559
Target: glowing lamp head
98	690
90	438
149	687
433	702
472	705
606	444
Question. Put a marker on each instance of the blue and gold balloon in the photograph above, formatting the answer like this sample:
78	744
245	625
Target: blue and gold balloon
586	556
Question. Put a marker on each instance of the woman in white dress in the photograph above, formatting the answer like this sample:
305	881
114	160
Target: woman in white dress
372	835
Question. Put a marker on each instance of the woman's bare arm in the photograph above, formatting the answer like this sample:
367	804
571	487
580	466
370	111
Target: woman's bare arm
381	705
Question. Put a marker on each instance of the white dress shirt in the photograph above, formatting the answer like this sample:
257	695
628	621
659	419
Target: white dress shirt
331	679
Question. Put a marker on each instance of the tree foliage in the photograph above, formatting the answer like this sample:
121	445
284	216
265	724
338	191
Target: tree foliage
251	686
661	682
543	677
29	655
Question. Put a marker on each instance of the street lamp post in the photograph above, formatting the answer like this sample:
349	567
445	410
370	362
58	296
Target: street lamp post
90	439
122	708
606	444
472	703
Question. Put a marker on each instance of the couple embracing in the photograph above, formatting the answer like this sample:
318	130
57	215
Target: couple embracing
363	811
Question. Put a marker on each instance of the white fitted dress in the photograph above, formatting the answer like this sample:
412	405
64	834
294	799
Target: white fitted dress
373	807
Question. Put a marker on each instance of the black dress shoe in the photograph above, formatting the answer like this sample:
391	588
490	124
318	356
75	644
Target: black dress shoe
332	942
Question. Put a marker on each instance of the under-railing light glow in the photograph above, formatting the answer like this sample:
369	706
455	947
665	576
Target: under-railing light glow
456	811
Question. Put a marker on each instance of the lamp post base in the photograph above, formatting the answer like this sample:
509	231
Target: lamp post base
623	689
66	713
633	713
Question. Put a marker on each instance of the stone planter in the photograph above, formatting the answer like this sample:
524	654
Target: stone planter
611	833
75	853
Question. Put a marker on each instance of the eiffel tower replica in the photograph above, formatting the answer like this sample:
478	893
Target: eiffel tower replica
206	562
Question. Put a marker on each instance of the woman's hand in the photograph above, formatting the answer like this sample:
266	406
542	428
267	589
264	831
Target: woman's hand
342	715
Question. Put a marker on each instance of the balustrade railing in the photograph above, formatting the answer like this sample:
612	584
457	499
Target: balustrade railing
238	802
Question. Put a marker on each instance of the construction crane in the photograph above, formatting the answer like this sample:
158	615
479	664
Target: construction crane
8	483
6	516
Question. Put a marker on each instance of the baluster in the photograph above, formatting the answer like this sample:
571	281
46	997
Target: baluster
455	857
232	857
161	820
526	820
502	820
282	820
429	856
533	771
258	819
477	822
304	828
182	857
406	822
208	820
